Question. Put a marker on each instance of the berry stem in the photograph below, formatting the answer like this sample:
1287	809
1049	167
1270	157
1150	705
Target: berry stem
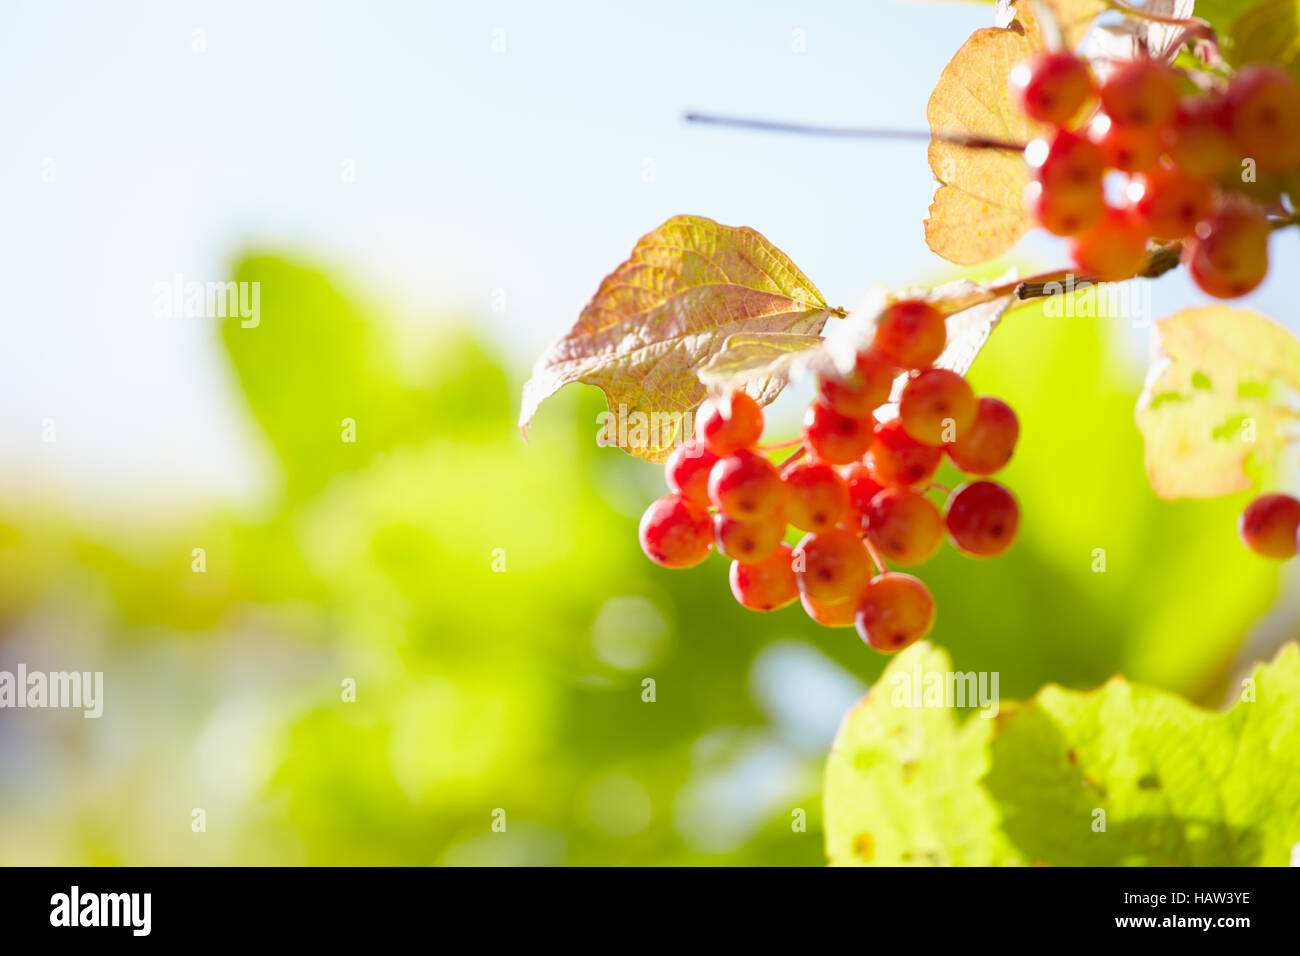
876	559
853	132
777	446
798	453
944	488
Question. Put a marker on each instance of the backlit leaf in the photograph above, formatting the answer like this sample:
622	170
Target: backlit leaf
1121	775
973	312
1211	405
978	210
661	316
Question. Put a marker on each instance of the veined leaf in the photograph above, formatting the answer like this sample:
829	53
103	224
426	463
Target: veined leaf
661	316
1075	17
1210	406
978	210
1121	775
973	312
902	782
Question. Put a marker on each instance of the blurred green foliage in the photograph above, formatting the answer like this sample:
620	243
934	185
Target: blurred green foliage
489	600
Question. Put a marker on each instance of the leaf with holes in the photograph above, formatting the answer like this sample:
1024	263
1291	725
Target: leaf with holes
1215	400
662	315
1121	775
978	210
902	782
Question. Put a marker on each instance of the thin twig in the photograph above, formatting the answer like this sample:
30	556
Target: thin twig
853	132
876	559
798	453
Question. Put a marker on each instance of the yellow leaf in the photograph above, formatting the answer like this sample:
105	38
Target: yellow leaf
1075	17
659	318
1211	405
978	211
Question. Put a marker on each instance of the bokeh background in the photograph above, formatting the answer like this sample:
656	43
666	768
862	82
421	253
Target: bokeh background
427	194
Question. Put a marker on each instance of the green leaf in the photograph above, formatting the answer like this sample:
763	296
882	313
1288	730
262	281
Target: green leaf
317	357
662	315
1267	32
1209	409
902	784
1123	775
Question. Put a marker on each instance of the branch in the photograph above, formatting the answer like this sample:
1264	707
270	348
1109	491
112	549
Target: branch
853	132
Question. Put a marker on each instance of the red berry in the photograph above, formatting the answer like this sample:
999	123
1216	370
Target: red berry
864	391
1227	255
1065	212
729	427
1112	250
688	470
765	585
748	541
831	565
983	518
1168	203
936	406
1053	87
816	496
1142	92
898	459
1199	140
905	526
1270	524
1066	196
1130	148
675	533
911	334
830	614
745	486
986	446
833	437
1067	161
896	610
1263	108
862	488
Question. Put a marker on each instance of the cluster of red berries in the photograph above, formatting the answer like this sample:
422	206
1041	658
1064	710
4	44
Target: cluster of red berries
856	486
1185	159
1270	526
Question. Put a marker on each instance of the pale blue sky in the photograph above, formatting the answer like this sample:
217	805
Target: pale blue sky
475	171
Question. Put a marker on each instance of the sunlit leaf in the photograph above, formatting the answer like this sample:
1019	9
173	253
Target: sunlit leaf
1267	32
1122	775
1211	405
323	380
662	315
978	210
973	312
902	783
1074	17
